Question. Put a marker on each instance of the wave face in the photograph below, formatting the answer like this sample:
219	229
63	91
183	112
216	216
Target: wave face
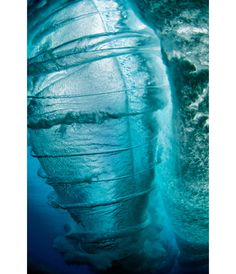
97	90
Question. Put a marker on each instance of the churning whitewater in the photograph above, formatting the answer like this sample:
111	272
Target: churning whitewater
100	122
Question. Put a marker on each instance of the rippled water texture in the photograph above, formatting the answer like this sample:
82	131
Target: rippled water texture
104	187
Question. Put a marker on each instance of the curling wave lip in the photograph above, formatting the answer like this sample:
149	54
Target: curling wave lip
96	85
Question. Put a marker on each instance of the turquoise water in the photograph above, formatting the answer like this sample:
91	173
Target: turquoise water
100	118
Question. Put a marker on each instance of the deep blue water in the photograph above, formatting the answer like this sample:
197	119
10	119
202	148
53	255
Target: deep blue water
45	223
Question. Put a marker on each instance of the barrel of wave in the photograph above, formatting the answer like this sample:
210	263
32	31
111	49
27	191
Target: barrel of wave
96	85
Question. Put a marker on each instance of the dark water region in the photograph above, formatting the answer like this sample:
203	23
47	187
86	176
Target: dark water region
45	223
